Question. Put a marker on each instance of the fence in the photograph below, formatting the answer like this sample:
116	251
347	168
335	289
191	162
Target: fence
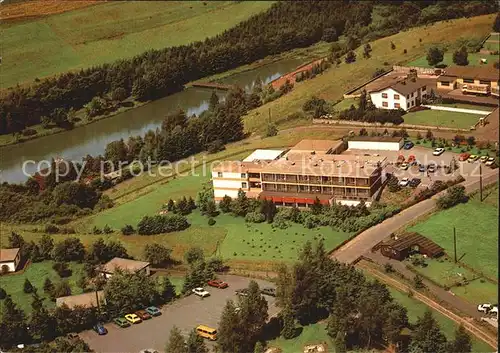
401	126
420	70
349	94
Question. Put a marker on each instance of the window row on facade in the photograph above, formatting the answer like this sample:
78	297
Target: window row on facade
321	180
311	189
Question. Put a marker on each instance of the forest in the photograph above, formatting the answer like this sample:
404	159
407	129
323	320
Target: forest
157	73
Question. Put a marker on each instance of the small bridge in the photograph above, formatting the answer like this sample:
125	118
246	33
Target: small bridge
212	85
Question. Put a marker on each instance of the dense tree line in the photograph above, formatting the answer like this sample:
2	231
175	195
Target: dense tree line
361	314
156	73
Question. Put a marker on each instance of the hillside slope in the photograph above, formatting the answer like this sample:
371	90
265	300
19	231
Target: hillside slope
333	83
111	31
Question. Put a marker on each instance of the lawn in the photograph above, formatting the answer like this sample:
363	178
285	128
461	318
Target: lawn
311	334
36	274
445	272
474	60
251	241
334	82
441	118
476	228
115	30
461	149
345	104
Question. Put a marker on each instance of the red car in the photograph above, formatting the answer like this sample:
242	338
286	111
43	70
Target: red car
463	157
217	283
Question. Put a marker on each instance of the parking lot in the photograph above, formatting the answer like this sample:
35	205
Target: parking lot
424	156
185	313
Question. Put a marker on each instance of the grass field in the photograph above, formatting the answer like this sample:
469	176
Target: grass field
477	232
447	273
474	60
114	30
26	10
36	274
441	118
333	83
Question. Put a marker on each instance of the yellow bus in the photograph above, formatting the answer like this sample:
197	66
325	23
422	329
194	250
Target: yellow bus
207	332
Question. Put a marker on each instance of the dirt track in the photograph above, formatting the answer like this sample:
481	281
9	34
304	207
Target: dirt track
476	330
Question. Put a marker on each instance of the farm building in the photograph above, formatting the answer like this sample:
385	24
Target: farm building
400	247
375	143
9	259
118	263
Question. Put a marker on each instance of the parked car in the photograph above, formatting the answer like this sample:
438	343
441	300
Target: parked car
153	311
494	310
100	329
404	182
490	161
421	168
217	283
472	158
414	182
408	145
133	318
201	292
463	157
143	314
484	308
438	151
483	159
269	291
404	166
431	168
242	292
121	322
412	160
400	159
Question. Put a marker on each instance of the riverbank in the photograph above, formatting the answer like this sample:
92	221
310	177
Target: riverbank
301	54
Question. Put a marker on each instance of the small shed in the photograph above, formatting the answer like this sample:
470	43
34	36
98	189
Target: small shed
399	248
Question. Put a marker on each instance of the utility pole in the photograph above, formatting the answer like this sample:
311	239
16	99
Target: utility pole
269	116
480	183
455	243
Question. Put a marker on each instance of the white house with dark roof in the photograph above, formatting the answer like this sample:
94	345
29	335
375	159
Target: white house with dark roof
401	95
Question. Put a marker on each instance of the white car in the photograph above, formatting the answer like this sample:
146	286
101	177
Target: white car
490	161
404	182
484	308
201	292
494	310
438	151
404	166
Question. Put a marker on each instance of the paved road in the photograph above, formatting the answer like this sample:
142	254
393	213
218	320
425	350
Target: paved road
184	313
370	237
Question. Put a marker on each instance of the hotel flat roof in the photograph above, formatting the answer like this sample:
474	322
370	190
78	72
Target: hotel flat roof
317	146
263	155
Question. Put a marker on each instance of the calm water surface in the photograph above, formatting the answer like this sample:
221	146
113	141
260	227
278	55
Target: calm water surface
93	138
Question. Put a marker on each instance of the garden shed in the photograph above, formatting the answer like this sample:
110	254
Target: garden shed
400	247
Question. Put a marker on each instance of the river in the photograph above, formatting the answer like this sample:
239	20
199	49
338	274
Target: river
92	139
